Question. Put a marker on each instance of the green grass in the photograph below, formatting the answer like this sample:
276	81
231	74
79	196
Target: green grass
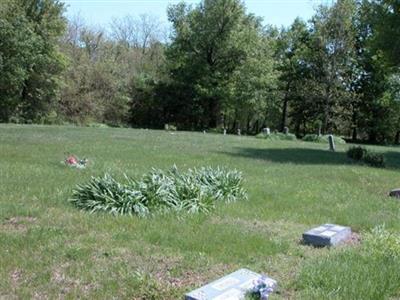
48	248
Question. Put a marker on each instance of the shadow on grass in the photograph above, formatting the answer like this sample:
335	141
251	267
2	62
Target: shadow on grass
392	159
292	155
307	156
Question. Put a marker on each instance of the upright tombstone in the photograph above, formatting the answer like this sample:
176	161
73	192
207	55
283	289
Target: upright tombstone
239	132
224	131
326	235
233	286
286	130
204	132
267	131
331	140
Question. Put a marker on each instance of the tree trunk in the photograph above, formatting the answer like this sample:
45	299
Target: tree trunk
354	135
397	138
213	112
284	114
248	124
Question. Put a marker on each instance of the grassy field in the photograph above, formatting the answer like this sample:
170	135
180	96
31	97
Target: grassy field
49	249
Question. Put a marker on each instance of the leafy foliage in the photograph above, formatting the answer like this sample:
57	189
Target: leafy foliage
371	158
30	62
221	68
374	159
356	152
322	139
196	190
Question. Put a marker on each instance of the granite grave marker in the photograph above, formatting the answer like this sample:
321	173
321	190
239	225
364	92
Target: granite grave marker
231	287
327	235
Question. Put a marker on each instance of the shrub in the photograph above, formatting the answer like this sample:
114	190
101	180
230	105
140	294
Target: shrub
374	159
356	153
322	139
278	136
196	190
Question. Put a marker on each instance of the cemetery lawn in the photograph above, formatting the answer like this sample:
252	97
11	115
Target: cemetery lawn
49	249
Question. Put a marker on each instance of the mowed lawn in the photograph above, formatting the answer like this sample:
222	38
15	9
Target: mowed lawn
49	249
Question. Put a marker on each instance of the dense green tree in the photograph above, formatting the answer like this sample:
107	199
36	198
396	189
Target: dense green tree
292	50
331	56
384	23
30	62
209	44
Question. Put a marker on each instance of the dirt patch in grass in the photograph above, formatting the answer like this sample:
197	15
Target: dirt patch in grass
17	224
170	271
68	284
353	240
16	276
283	229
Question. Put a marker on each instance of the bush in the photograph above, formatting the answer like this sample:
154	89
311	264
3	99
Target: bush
373	159
356	153
197	190
322	139
277	136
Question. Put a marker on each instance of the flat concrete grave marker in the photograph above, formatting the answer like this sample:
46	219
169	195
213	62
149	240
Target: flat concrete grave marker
326	235
231	287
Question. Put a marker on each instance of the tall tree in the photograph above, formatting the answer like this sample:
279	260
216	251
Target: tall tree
292	50
31	62
208	45
331	56
384	17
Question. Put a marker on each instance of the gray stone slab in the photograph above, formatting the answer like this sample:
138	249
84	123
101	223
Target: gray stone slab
327	235
331	140
395	193
231	287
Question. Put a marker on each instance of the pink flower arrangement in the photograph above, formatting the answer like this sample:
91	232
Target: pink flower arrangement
75	162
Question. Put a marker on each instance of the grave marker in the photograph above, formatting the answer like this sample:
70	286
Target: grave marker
286	130
395	193
331	140
327	235
238	132
231	287
266	131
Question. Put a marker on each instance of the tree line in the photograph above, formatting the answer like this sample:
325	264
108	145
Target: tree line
216	67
